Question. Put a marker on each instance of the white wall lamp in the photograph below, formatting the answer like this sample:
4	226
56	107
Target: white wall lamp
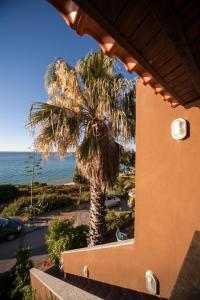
179	129
152	283
86	271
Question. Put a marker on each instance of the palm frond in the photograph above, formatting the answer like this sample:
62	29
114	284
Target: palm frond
59	127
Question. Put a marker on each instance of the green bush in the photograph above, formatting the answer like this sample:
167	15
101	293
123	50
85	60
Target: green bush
123	185
58	229
41	203
79	236
27	293
14	284
45	202
62	236
57	247
16	208
39	184
21	275
8	192
85	196
120	220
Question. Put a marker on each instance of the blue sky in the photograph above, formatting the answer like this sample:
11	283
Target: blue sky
32	34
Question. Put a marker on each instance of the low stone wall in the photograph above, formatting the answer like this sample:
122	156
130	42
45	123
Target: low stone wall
41	285
47	287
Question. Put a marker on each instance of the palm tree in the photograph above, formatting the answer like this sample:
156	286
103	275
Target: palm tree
89	109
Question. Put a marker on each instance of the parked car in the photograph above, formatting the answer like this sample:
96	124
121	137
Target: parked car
10	228
111	201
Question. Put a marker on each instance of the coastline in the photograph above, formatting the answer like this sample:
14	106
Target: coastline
67	183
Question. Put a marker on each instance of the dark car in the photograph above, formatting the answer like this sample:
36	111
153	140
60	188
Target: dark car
10	228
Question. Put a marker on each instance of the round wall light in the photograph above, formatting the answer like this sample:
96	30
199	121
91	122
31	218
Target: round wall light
179	129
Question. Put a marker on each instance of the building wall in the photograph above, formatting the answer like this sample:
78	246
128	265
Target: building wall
167	201
167	185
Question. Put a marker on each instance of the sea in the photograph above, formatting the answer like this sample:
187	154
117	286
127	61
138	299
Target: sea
53	170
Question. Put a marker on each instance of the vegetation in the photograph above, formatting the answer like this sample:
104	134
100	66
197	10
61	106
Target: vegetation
21	271
90	108
49	197
62	235
85	196
8	192
45	198
118	220
123	184
127	160
32	169
15	284
79	178
41	204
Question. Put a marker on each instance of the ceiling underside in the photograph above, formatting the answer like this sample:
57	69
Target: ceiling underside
160	40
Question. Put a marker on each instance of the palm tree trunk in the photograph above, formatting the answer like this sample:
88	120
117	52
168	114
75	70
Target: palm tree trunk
97	223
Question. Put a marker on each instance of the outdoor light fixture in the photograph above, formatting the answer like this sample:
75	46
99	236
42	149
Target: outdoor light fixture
86	272
61	264
152	284
179	129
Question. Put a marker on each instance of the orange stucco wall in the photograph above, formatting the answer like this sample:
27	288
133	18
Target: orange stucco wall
168	189
167	201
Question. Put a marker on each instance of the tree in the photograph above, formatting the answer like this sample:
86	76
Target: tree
32	169
89	110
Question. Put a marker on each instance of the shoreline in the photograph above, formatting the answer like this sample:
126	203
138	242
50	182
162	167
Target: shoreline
67	183
64	183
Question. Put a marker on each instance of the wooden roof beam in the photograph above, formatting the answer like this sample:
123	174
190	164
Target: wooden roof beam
89	9
164	14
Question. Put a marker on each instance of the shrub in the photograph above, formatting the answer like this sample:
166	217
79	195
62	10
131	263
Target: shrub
14	284
120	220
85	196
41	203
39	184
8	192
19	274
62	236
58	229
44	203
57	247
27	293
79	236
16	208
123	185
